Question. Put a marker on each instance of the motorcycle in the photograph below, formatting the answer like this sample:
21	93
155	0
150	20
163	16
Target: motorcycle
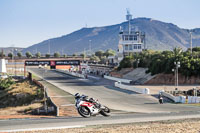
89	107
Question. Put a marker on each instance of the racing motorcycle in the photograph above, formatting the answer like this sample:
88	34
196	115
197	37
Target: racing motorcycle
89	107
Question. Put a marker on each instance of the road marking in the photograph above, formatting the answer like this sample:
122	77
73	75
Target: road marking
93	77
67	105
37	129
60	96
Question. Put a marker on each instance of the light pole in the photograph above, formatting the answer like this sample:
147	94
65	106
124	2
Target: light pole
15	54
177	65
138	61
174	70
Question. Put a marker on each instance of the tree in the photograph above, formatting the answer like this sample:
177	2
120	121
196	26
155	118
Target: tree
127	62
99	53
56	54
74	55
19	54
38	55
83	55
28	54
47	55
2	54
65	55
10	55
103	60
109	52
94	58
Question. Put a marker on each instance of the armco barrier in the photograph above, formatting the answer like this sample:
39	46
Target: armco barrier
132	88
118	79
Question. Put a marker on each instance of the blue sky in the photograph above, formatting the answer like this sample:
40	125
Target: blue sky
27	22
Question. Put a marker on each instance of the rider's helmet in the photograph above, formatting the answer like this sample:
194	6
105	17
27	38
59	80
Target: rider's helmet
77	95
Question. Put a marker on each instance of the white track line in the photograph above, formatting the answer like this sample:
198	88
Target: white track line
37	129
68	105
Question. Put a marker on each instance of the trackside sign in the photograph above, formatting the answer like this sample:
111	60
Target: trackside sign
52	63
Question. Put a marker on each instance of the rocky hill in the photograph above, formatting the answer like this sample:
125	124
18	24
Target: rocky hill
159	36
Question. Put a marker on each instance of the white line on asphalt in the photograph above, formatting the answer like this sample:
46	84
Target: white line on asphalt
93	77
60	96
67	105
37	129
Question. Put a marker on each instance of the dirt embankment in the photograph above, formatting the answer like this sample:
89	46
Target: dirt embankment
19	99
169	79
119	74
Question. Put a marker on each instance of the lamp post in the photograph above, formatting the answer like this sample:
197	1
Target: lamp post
174	70
15	54
138	61
177	65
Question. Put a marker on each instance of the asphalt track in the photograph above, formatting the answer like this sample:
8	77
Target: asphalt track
135	107
115	98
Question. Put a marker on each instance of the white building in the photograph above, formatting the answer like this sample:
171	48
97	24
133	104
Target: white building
130	41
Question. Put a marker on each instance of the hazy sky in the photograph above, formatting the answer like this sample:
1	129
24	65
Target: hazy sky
27	22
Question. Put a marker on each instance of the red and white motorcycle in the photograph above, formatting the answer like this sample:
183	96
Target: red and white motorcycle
89	107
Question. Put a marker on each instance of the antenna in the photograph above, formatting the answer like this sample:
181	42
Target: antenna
128	18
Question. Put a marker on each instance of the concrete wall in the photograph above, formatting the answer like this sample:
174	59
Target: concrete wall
118	79
182	99
132	88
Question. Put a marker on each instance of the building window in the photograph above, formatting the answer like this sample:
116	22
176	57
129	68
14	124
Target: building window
126	37
126	47
139	46
130	47
135	38
135	46
131	37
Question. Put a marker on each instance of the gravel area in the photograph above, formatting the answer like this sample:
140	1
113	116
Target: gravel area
172	126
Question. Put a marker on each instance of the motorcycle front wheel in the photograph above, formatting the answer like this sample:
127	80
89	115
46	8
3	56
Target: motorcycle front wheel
84	111
105	111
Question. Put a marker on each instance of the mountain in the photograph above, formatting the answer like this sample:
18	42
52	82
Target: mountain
7	50
159	36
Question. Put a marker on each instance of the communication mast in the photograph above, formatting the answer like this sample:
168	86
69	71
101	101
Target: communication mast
128	18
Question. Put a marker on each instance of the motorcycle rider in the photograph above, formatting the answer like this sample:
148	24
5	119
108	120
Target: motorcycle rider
85	98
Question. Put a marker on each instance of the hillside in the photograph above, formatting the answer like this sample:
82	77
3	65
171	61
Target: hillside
159	36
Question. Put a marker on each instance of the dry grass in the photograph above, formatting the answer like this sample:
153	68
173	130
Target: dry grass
20	98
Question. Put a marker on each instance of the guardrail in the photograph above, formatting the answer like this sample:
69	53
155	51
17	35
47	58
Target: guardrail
118	79
132	88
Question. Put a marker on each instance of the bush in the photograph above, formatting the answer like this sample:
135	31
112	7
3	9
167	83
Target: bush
6	83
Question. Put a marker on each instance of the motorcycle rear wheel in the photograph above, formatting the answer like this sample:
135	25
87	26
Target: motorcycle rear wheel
84	111
105	111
